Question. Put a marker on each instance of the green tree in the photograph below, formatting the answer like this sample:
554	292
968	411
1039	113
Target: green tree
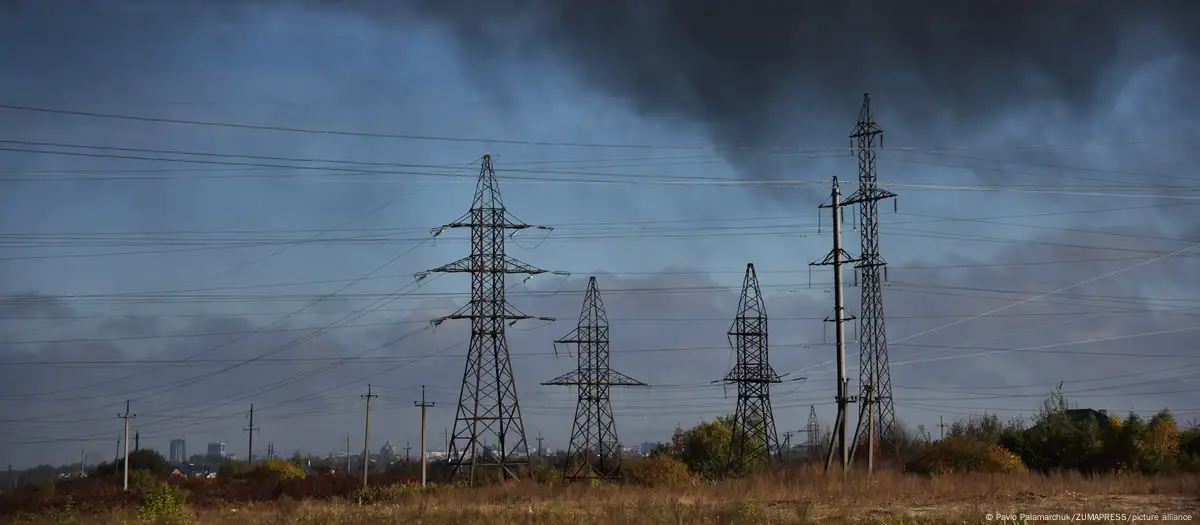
1160	443
234	469
705	447
144	459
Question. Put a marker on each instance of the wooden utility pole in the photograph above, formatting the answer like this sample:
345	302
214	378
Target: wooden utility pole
424	454
941	428
348	467
126	416
367	435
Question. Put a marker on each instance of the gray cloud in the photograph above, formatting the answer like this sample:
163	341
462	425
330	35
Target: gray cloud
762	74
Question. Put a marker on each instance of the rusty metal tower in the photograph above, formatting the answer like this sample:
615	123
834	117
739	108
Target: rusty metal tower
595	450
487	402
754	440
877	415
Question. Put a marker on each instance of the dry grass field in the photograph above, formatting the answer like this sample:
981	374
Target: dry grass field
799	496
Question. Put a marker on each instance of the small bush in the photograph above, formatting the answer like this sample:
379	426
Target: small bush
658	471
963	454
66	514
545	474
142	480
164	503
277	470
1005	460
382	493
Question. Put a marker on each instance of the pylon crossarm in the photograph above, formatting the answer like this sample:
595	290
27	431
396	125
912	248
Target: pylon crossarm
572	337
512	265
747	374
569	378
614	378
463	265
865	195
842	255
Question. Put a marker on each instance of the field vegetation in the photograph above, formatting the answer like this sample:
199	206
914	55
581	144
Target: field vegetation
1067	461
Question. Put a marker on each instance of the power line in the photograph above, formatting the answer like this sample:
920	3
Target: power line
257	127
256	260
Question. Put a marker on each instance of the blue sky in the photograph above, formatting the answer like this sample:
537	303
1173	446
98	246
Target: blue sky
979	179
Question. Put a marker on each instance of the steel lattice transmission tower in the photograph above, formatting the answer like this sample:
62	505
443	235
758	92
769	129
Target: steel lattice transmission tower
876	412
813	429
594	450
487	402
754	441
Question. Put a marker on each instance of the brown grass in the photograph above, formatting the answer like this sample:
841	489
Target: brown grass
795	496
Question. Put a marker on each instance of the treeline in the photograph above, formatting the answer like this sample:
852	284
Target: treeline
1059	438
1063	438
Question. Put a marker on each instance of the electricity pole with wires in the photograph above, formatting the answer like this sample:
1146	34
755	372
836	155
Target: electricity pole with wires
594	448
126	416
941	428
876	415
424	454
836	258
754	436
250	430
487	404
367	435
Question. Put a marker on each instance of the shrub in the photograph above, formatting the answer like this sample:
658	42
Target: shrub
234	469
705	447
277	470
66	514
163	503
1004	460
963	454
657	471
144	459
142	480
545	474
381	493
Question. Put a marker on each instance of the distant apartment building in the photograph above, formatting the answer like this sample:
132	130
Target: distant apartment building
217	449
178	451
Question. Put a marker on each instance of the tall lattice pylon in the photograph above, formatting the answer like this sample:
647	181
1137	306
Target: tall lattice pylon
813	429
876	412
488	409
595	451
754	440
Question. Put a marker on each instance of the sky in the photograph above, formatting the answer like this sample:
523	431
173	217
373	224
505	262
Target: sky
208	205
